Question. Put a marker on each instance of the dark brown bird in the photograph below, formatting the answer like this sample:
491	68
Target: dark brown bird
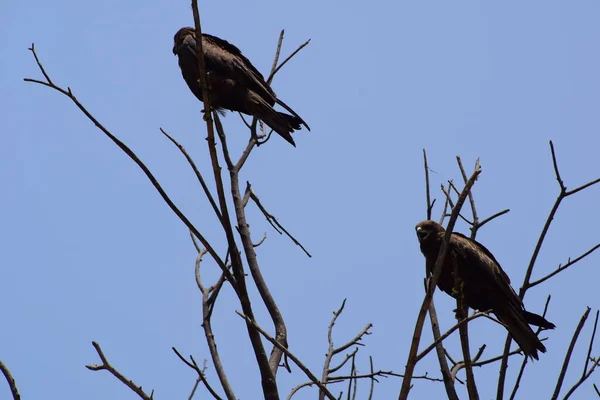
485	286
235	83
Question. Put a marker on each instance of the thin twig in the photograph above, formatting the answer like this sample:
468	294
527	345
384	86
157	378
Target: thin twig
525	359
476	224
303	45
276	58
498	214
194	388
519	377
591	345
470	318
272	219
563	267
108	367
197	173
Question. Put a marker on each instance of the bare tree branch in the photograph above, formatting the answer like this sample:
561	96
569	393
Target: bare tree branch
564	193
133	156
461	314
208	332
485	221
563	267
10	380
586	372
272	219
565	365
244	232
344	361
440	351
474	315
108	367
372	387
471	200
269	384
273	72
201	375
332	350
198	175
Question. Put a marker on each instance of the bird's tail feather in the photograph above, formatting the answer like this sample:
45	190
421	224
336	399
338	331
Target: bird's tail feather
516	323
292	120
538	320
282	104
279	122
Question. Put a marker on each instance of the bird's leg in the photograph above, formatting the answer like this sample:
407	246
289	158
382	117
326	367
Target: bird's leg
458	293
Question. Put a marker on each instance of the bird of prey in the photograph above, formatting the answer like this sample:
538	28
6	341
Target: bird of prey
484	285
235	83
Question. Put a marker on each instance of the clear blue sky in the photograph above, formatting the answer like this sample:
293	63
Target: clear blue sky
90	252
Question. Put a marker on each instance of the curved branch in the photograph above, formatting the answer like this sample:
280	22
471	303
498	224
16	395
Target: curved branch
11	381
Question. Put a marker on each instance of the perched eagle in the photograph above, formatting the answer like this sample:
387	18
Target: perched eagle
485	286
235	83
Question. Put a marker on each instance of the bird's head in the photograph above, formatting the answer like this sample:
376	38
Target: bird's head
428	231
181	36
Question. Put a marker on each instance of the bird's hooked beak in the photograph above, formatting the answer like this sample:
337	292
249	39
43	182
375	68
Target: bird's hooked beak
422	234
175	49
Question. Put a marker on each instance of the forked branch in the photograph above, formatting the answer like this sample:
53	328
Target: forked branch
108	367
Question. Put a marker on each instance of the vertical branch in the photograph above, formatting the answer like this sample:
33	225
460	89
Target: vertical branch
565	366
330	349
439	348
471	200
269	384
461	314
208	332
244	231
435	326
412	356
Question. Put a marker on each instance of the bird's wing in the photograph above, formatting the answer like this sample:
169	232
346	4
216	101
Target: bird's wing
483	266
226	59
